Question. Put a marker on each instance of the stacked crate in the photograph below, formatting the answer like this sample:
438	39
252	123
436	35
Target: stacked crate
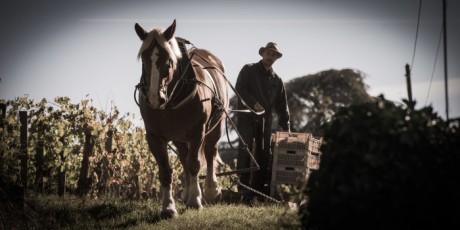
293	155
314	155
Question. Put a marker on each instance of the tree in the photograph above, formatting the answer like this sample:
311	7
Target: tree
315	98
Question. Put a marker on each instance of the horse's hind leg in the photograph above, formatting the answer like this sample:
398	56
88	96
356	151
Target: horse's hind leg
182	150
212	190
158	148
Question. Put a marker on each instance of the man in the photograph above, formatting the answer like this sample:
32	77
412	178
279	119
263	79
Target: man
262	90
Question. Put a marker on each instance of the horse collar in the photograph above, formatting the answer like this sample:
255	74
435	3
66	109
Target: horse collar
185	87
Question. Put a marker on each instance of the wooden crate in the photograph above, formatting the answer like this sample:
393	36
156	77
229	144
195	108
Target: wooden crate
313	160
314	144
289	175
294	155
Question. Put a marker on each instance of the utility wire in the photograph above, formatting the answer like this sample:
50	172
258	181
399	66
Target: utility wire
434	66
416	33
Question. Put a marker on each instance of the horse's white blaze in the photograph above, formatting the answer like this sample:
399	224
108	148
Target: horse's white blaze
172	48
154	81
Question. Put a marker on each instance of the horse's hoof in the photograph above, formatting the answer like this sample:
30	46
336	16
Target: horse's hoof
169	214
194	205
184	199
215	200
213	195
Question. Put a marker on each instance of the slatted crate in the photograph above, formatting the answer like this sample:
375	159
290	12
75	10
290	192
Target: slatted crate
294	155
289	175
289	164
314	144
313	160
314	153
291	140
290	150
285	157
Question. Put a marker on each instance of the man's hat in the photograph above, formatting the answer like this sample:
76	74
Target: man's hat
271	45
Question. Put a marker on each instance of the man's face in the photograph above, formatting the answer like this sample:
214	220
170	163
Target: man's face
269	57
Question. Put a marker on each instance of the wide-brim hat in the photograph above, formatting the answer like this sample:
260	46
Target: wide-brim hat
271	45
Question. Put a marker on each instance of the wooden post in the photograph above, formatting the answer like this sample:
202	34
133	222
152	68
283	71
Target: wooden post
83	180
23	152
109	141
104	164
39	161
2	126
409	87
61	177
446	79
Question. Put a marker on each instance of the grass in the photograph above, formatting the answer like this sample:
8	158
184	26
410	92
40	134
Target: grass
232	217
51	212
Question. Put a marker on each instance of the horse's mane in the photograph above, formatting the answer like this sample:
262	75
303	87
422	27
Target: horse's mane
171	47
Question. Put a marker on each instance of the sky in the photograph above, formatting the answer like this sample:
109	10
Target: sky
56	48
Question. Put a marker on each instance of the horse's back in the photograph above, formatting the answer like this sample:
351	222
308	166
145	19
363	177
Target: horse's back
210	58
209	61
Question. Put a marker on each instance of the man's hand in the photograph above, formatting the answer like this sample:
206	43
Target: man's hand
258	107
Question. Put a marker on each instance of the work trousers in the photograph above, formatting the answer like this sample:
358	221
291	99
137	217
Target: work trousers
256	134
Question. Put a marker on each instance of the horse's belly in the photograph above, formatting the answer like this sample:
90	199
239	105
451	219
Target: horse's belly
173	124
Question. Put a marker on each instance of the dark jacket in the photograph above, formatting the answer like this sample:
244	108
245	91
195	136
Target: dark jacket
255	84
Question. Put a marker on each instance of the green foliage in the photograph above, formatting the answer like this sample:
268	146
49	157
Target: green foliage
121	163
385	167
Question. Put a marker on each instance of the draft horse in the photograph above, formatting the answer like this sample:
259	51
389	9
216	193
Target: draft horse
185	107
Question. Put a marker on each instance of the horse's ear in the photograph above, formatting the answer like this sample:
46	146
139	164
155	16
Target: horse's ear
140	31
169	33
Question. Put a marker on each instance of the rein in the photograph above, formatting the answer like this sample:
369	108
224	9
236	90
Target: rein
181	78
217	102
248	108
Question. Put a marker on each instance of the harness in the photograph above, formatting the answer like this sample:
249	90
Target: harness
187	86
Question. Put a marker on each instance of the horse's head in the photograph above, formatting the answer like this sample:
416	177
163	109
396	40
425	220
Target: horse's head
159	53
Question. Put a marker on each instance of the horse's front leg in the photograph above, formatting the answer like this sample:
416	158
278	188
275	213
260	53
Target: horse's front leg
182	150
158	148
193	167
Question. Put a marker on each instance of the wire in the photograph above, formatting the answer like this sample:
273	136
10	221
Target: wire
416	33
434	66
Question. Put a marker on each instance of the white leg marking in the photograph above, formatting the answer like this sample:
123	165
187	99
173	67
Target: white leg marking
169	206
194	199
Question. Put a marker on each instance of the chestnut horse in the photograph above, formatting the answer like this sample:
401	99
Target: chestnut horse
182	100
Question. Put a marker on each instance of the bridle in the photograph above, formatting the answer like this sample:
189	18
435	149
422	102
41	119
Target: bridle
165	81
141	85
163	86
